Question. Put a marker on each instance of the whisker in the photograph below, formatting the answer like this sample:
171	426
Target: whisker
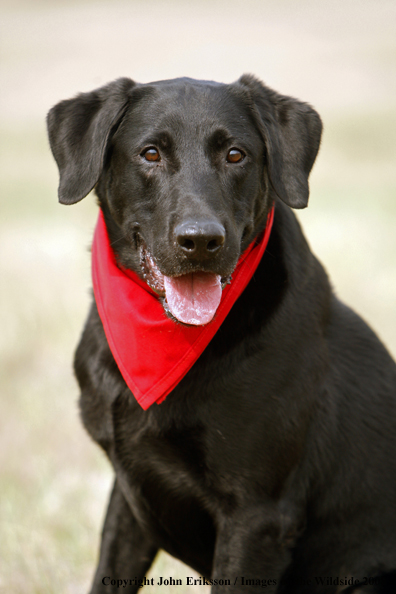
119	239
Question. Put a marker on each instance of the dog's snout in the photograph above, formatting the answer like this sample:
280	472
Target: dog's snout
200	239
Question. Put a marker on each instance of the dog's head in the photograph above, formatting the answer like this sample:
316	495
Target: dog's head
186	172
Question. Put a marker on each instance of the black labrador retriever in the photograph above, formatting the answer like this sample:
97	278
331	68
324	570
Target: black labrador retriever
272	461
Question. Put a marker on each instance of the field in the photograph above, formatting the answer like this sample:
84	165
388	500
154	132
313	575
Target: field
339	56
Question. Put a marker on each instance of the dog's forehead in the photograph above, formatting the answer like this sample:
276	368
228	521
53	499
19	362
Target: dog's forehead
186	92
188	104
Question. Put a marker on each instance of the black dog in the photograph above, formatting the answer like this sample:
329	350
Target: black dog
272	462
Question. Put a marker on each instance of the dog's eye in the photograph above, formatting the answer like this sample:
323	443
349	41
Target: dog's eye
235	156
151	154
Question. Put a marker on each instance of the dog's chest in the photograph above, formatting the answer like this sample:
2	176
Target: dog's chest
167	481
162	454
205	461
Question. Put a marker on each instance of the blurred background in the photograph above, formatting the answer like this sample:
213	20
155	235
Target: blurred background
340	56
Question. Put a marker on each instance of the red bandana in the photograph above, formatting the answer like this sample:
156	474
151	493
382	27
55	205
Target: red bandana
152	351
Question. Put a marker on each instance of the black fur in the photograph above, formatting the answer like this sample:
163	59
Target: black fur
274	458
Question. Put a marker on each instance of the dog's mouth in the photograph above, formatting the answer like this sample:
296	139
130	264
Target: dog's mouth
191	298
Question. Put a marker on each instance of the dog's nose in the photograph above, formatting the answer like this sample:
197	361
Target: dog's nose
200	240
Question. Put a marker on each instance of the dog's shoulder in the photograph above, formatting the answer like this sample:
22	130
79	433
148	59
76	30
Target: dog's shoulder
99	379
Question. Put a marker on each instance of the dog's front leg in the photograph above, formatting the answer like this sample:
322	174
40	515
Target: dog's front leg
252	551
125	553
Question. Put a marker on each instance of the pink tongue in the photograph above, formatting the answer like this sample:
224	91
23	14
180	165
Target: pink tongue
193	298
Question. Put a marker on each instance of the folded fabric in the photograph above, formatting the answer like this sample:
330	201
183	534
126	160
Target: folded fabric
152	351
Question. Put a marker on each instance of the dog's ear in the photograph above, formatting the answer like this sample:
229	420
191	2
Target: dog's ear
291	131
79	130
